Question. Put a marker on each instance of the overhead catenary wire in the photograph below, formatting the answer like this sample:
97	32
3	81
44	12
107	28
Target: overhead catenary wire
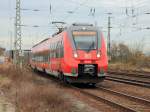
75	9
69	13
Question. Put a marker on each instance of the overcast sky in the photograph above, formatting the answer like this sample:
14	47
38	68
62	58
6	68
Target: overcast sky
128	19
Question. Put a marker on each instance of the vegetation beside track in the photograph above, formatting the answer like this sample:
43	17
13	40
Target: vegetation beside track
126	67
30	93
124	57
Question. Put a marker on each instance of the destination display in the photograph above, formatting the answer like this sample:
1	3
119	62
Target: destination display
75	33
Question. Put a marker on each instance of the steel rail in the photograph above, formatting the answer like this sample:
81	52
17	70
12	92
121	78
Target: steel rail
95	97
125	78
106	101
131	71
127	81
129	74
131	97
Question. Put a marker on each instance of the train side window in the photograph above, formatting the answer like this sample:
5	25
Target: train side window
47	56
34	57
43	56
57	50
50	54
51	47
55	46
62	49
54	50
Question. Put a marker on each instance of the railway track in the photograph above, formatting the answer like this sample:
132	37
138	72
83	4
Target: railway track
133	102
121	101
137	79
92	96
122	108
128	81
135	74
131	97
139	72
134	78
106	100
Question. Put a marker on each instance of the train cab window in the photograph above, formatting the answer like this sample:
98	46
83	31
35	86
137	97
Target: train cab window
85	40
52	46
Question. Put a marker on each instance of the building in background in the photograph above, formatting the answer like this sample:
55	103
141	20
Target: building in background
9	54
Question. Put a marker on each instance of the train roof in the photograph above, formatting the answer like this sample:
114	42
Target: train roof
74	26
41	42
82	26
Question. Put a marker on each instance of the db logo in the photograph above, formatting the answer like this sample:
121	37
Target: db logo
87	56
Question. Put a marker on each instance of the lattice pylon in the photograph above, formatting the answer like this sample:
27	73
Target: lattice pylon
18	38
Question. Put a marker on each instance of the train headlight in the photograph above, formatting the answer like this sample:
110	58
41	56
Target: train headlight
75	55
98	55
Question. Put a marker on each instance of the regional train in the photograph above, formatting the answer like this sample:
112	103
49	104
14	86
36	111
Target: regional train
75	55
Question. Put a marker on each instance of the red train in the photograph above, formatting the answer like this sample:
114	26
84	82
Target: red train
75	55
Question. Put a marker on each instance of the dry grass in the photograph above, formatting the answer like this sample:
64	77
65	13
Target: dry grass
29	96
36	98
128	67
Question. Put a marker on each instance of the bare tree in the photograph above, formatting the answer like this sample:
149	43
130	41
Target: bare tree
120	52
2	51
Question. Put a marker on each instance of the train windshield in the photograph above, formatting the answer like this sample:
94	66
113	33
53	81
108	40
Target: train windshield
85	40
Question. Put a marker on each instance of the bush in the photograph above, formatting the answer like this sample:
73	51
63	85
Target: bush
121	53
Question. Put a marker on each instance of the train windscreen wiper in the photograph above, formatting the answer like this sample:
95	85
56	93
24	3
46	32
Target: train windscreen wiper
91	46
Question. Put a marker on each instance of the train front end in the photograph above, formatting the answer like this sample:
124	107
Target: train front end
85	54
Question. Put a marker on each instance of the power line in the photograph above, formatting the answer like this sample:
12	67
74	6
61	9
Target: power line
81	4
77	8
